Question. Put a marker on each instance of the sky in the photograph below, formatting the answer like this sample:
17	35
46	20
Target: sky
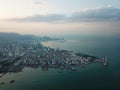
58	17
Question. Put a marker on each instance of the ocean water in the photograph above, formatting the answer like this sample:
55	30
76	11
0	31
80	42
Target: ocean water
92	77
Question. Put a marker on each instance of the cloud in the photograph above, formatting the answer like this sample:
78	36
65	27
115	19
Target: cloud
109	5
40	3
96	14
41	18
87	15
44	5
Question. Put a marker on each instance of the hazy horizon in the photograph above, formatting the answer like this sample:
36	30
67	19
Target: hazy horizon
81	49
55	18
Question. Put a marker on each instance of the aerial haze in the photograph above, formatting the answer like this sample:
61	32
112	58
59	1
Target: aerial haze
59	44
53	17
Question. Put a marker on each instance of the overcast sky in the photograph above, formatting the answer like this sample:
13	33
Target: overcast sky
52	17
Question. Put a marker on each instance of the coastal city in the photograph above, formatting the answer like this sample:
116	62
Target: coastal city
59	44
14	57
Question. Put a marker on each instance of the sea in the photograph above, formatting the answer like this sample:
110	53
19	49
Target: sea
93	77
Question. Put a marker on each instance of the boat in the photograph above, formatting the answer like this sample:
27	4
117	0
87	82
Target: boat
105	61
12	81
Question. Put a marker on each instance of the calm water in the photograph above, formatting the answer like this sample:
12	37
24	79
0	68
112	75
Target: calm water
94	76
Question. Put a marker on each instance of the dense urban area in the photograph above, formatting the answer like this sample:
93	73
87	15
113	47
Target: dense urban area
31	53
